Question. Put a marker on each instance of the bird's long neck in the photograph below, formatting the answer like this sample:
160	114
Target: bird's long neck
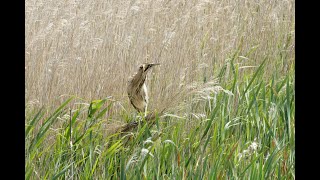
142	81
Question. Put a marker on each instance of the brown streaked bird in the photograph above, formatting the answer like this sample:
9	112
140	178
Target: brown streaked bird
137	89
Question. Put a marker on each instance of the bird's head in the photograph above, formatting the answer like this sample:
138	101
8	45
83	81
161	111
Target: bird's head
145	67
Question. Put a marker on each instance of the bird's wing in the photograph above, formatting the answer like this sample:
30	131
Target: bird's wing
134	106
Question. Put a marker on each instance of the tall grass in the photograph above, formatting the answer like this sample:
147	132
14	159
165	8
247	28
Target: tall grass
226	76
247	133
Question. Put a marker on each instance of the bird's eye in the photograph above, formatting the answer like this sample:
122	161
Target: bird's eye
140	67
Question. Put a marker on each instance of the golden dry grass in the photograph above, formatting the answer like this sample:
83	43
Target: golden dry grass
90	48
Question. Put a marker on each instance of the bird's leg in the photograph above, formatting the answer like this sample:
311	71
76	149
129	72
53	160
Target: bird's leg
145	111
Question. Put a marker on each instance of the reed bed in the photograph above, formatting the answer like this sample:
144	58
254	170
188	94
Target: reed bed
226	81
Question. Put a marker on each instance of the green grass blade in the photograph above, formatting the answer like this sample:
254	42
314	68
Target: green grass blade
44	128
255	75
61	172
36	118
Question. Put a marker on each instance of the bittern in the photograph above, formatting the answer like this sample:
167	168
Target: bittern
137	89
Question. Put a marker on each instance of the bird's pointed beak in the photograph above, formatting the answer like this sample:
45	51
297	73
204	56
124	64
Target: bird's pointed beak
151	65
